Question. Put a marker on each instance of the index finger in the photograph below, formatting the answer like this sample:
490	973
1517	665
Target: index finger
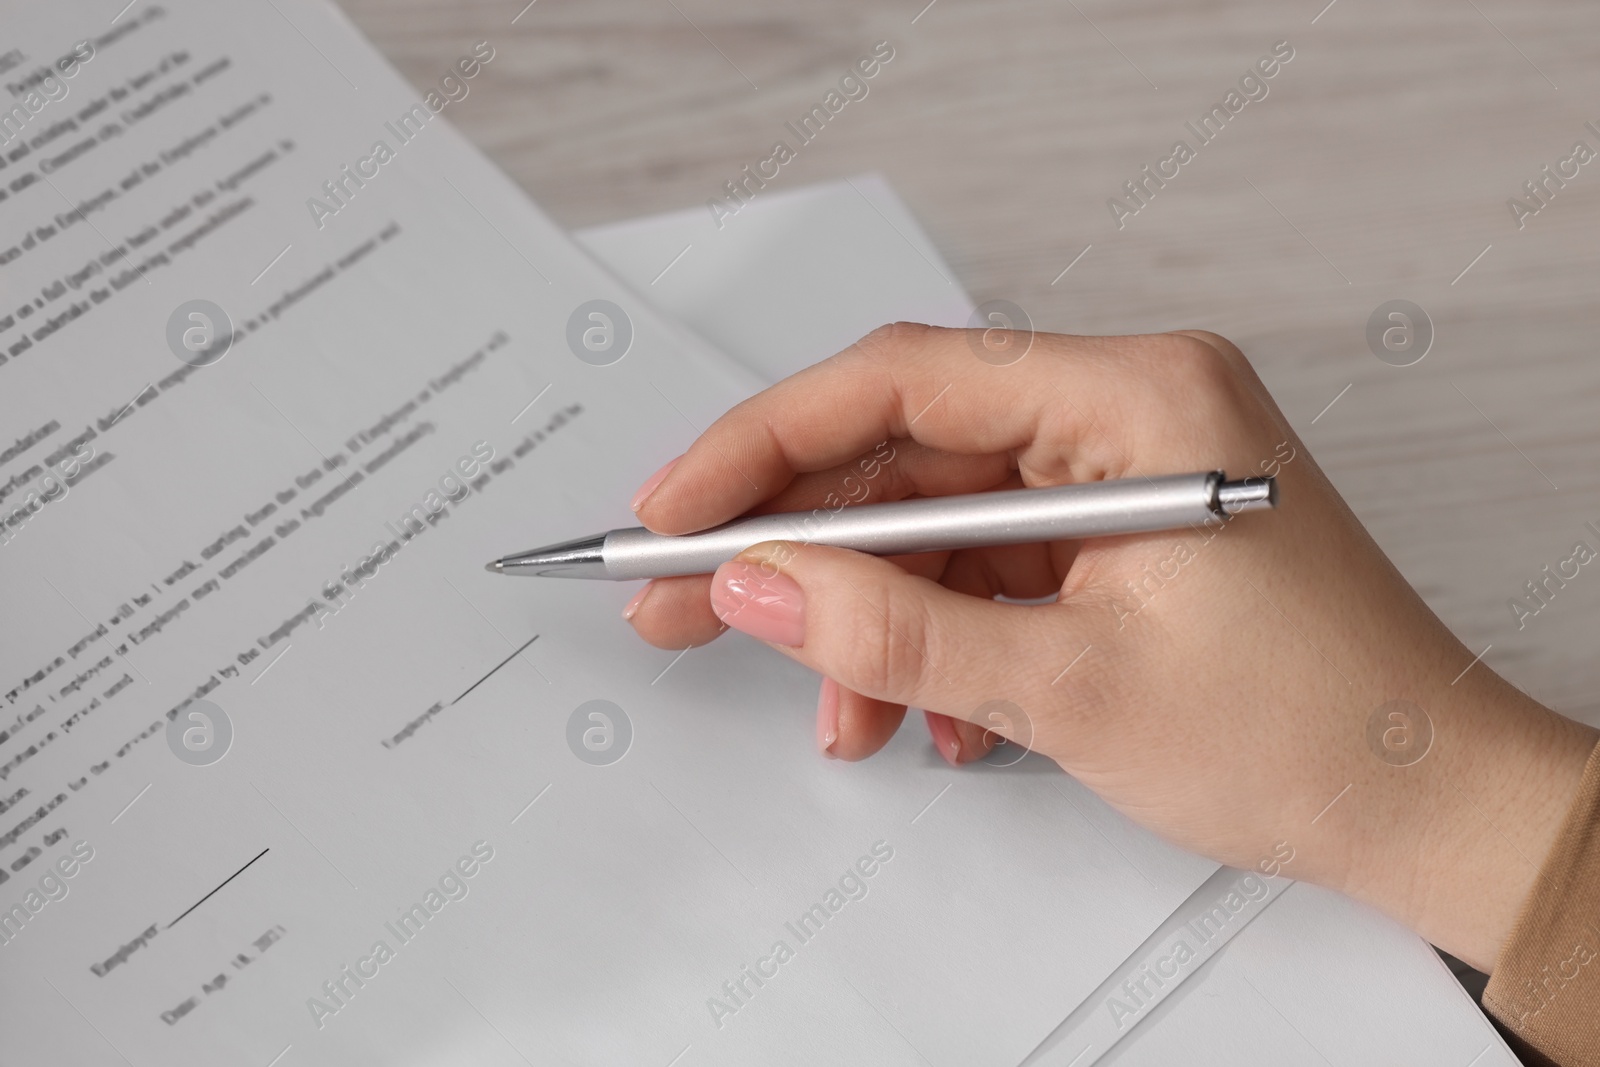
901	380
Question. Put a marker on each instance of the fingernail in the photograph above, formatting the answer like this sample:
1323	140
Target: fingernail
767	605
632	607
944	737
650	484
828	717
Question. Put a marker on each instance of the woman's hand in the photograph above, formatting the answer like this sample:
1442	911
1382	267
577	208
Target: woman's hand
1225	686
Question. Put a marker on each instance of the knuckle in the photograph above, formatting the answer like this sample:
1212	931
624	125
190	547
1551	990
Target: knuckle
1199	378
888	645
894	340
1229	351
1195	362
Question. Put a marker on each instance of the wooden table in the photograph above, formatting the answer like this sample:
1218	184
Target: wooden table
1378	166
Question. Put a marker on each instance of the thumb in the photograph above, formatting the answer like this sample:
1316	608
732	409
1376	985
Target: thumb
887	634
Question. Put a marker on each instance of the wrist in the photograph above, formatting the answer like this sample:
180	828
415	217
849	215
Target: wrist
1455	842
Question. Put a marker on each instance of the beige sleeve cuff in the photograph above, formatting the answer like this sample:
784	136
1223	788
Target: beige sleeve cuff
1546	984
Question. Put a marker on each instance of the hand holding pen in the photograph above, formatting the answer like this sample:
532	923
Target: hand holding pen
1216	683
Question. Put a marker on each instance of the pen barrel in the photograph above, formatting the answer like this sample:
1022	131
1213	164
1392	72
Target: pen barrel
928	524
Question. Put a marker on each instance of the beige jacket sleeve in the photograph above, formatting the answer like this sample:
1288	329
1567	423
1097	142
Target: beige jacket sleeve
1545	990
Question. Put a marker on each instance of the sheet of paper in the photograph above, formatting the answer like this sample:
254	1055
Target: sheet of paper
795	276
1169	961
286	777
1316	978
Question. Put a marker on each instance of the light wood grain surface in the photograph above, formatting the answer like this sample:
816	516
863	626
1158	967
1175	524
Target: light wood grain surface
1378	167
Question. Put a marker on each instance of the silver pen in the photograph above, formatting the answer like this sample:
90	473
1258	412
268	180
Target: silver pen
925	524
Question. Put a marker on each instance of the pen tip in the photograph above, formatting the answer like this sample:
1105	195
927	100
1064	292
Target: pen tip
493	568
